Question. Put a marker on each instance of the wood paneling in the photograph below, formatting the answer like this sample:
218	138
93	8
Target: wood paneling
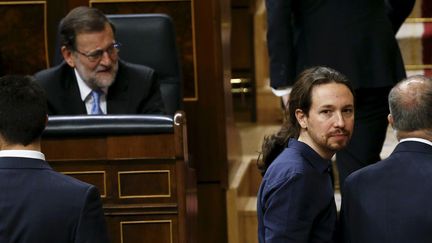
161	231
159	179
144	228
241	43
212	216
22	42
144	197
213	138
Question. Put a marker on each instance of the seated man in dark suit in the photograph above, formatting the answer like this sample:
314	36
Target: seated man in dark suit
93	80
38	204
391	200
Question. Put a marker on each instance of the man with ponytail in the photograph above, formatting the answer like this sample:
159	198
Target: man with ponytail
296	197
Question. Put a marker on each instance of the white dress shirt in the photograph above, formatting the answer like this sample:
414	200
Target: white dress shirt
86	97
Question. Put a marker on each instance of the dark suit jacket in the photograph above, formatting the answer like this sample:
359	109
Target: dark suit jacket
391	200
355	37
134	91
38	204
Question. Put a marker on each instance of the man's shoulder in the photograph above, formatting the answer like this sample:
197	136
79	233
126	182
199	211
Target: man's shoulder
41	171
288	163
369	174
128	67
396	161
61	183
71	181
137	77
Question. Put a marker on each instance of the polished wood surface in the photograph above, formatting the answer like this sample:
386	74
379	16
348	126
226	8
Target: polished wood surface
147	189
22	42
213	140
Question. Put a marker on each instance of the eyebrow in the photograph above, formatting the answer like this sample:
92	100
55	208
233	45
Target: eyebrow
102	49
332	106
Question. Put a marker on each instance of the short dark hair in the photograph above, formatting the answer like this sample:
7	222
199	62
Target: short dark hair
299	98
411	108
23	109
81	20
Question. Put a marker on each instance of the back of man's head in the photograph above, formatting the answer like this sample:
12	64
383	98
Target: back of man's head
23	110
410	103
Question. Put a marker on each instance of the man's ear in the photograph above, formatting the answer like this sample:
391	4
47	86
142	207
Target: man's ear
67	55
390	119
301	118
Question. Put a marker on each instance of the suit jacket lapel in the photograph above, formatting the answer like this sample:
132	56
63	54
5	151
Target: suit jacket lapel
72	97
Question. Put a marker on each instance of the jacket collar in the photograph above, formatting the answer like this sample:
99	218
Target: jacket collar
23	163
413	146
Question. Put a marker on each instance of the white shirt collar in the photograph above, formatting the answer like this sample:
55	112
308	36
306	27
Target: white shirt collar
421	140
31	154
84	89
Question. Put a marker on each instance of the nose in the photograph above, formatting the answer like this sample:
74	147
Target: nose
106	59
339	120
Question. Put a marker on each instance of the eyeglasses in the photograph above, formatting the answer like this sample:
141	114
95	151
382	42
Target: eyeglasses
96	56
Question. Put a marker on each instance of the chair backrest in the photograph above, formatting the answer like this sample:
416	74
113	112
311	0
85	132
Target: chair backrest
149	39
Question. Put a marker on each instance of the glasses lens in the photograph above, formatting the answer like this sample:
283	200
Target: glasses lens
96	55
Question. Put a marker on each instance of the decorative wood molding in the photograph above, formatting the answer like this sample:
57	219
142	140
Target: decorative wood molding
124	223
161	195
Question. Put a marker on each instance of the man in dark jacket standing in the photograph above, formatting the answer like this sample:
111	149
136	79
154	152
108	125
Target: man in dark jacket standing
355	37
390	201
37	204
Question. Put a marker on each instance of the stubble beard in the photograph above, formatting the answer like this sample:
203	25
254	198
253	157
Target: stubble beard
105	80
338	144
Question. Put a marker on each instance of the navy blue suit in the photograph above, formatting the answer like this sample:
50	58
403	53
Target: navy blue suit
39	205
295	199
355	37
391	200
135	90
